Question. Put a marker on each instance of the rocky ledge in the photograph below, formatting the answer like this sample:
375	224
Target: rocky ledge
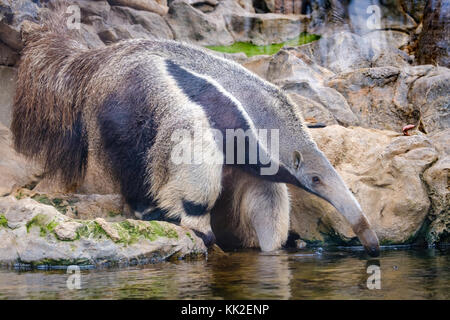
38	235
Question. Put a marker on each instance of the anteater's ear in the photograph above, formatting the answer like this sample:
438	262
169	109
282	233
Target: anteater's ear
298	159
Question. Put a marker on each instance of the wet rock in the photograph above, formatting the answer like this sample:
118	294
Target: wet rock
384	172
33	232
434	43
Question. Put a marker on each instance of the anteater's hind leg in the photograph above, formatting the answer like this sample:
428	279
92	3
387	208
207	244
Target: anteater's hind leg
259	210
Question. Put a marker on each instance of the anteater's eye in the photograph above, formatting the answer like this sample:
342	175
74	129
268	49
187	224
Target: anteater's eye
315	179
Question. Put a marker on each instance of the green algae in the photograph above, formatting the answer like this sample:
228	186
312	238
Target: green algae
251	49
132	231
59	204
129	231
3	221
40	221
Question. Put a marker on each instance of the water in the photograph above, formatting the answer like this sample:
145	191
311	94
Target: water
306	274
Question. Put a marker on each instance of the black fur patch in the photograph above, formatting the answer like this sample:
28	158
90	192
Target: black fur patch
222	111
223	114
127	131
208	239
159	214
194	209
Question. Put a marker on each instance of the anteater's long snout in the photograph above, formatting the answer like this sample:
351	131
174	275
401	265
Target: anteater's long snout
367	236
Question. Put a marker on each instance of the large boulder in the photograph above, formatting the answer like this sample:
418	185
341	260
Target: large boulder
384	171
390	98
36	234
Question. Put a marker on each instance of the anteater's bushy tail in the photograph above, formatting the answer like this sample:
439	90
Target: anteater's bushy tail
47	123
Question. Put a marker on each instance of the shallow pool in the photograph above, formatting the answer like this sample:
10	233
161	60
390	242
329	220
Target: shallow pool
307	274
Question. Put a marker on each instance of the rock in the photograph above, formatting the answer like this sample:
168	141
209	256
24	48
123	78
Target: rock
192	25
387	38
433	46
414	8
108	229
143	24
8	57
383	170
79	206
437	178
390	98
34	231
329	98
359	16
431	95
147	5
8	84
258	64
12	15
291	65
89	8
313	111
343	51
297	74
67	230
263	29
15	170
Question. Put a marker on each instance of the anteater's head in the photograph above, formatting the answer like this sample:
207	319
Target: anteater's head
311	171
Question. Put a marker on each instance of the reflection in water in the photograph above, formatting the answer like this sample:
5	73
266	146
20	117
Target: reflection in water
313	274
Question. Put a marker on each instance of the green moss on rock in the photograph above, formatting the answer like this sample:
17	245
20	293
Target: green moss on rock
59	204
41	221
3	221
131	231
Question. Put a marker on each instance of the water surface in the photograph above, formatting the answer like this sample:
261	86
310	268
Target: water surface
306	274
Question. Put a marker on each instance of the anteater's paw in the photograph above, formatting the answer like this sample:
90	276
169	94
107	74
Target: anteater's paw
208	238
